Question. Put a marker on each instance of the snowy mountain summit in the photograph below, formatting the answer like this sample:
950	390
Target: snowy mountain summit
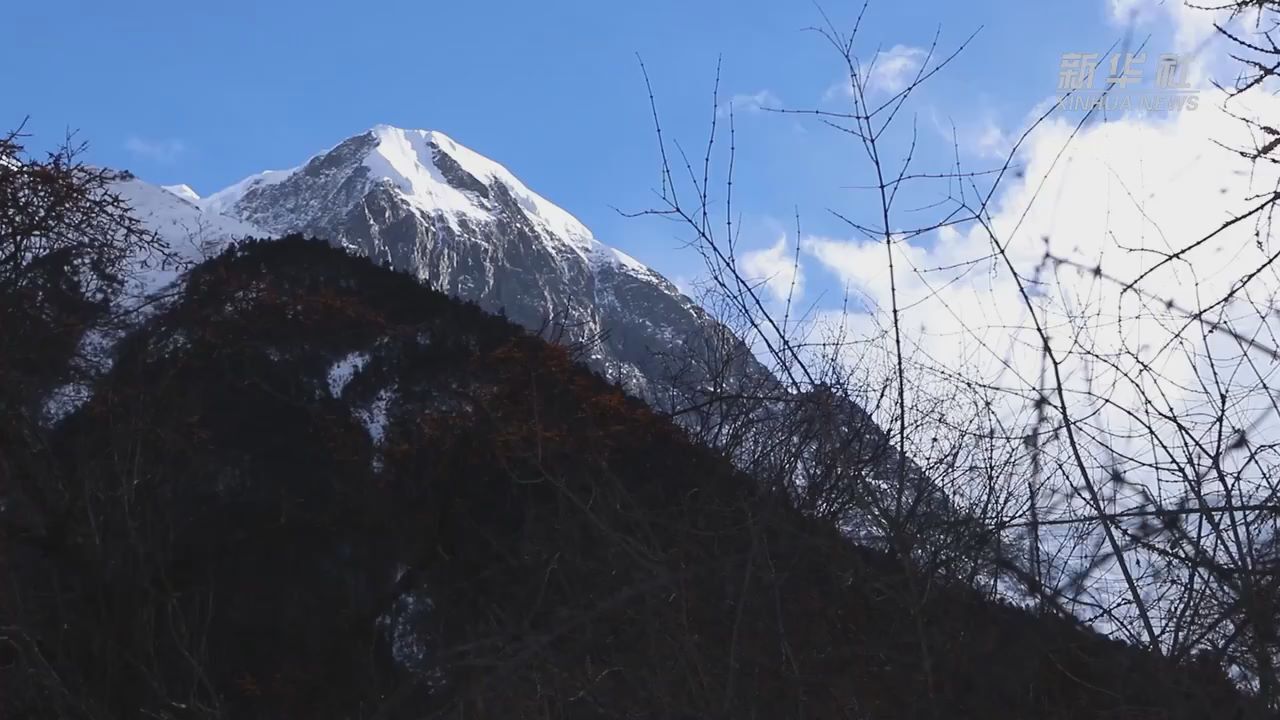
417	201
423	169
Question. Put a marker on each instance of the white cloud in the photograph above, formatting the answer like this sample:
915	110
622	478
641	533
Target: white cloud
685	285
750	103
775	267
894	68
838	90
992	141
982	134
1124	12
1122	193
162	151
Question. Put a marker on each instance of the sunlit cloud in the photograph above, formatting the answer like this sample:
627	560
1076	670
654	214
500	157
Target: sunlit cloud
776	267
750	103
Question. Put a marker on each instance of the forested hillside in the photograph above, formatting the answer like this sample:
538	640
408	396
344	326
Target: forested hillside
310	487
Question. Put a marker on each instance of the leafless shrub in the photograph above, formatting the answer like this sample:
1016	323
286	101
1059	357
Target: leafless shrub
1023	488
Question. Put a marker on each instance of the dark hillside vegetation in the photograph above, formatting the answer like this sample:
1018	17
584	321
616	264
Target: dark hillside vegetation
471	526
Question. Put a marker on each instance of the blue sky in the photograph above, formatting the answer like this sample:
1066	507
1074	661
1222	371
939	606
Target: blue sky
207	93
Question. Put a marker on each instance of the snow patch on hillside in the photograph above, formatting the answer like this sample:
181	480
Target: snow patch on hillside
374	417
344	370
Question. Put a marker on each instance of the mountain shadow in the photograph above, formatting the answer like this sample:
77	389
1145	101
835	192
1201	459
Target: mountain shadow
310	487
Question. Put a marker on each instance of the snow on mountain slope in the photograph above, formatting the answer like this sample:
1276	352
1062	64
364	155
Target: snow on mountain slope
192	234
225	198
415	163
407	156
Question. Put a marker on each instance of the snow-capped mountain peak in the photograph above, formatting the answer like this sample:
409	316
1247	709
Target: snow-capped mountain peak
183	191
420	202
410	158
431	171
